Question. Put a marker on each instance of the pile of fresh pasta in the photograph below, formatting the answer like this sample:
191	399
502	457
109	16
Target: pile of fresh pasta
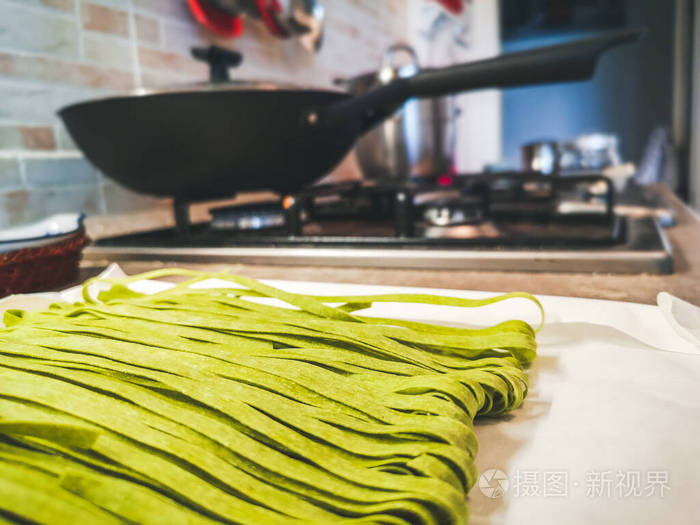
203	405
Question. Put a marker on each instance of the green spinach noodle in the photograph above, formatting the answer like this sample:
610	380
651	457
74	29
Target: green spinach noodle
203	405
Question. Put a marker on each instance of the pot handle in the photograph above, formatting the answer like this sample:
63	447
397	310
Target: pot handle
391	51
219	59
389	71
562	63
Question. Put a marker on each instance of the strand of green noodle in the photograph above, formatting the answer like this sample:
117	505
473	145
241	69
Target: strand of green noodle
357	389
125	420
130	501
422	429
315	304
38	497
469	335
374	338
156	358
346	438
448	301
209	404
171	318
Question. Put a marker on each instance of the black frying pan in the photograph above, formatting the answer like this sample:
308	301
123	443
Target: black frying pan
212	142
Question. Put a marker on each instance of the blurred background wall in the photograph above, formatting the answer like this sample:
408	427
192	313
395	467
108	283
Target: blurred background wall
631	93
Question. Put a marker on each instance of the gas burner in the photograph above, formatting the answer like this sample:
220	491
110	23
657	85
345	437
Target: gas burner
512	204
452	211
248	217
524	221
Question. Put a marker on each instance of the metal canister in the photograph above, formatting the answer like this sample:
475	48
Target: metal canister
419	140
542	156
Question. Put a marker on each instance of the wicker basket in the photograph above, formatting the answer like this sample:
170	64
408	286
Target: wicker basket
41	268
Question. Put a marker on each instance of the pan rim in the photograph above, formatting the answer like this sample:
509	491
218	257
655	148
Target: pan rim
203	87
234	85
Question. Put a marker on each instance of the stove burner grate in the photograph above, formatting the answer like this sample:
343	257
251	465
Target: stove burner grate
502	206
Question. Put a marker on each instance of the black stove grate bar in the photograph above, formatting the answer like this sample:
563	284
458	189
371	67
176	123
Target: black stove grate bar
492	195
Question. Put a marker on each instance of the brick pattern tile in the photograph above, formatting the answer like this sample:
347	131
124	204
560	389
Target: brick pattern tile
168	8
104	19
59	5
38	103
167	61
63	5
156	79
10	178
63	138
59	172
37	137
40	68
37	32
107	52
180	38
10	138
27	137
24	206
147	29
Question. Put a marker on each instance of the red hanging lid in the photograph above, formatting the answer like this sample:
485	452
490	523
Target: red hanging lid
453	6
269	9
215	20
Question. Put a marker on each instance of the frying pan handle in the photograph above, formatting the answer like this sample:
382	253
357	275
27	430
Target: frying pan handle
562	63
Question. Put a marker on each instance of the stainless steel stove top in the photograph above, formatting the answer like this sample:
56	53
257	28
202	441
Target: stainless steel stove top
499	223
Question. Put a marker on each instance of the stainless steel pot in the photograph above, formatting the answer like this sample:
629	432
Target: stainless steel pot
418	140
541	156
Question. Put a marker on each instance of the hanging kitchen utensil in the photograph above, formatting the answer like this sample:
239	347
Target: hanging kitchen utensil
456	7
308	20
294	18
542	156
231	7
268	10
223	22
417	140
204	142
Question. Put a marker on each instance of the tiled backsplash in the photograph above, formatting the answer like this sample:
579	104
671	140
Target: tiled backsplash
55	52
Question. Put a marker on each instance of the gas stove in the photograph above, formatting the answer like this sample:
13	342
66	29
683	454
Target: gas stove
494	221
